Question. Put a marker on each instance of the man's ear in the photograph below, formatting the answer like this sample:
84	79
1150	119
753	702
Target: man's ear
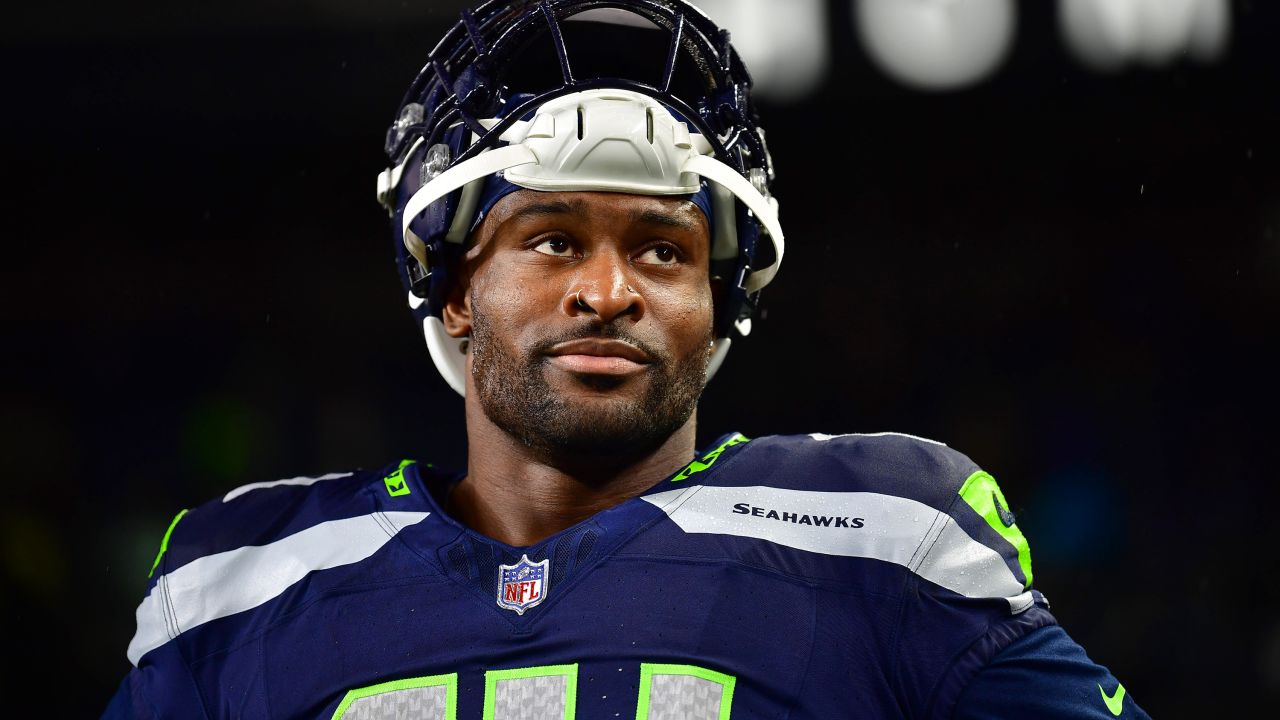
456	313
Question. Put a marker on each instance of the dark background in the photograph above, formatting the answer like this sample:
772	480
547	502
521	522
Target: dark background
1071	277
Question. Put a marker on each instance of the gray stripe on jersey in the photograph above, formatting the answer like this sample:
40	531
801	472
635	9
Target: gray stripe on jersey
273	483
226	583
823	437
893	529
420	703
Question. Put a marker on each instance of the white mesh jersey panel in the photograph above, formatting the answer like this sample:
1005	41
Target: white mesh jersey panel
530	698
684	697
423	703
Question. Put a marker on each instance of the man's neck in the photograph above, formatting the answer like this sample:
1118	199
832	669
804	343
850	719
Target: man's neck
516	495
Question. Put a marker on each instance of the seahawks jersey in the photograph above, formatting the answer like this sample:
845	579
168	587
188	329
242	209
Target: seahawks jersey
807	576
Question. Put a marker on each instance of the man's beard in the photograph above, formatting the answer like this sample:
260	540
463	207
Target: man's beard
514	393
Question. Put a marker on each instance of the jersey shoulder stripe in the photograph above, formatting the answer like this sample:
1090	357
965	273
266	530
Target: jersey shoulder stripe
302	480
263	512
248	547
885	496
226	583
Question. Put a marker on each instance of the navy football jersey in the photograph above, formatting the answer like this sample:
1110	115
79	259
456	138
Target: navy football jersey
815	576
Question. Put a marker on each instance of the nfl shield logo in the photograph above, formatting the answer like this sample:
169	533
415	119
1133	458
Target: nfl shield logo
523	585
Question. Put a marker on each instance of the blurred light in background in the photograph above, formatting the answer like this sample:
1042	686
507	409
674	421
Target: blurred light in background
1107	35
936	44
783	42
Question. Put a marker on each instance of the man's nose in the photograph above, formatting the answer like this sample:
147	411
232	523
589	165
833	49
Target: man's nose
606	287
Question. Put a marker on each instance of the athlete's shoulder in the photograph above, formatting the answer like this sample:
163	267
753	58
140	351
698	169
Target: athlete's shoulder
247	547
261	513
884	462
842	499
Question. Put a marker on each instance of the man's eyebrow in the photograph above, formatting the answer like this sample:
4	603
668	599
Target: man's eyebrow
545	208
655	217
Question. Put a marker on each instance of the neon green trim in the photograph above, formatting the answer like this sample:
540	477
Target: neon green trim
709	459
570	673
395	482
982	493
1115	703
648	670
164	544
450	682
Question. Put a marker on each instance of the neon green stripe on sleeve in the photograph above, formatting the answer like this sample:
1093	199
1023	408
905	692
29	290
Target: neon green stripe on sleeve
164	544
984	496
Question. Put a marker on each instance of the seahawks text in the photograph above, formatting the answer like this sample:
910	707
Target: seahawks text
798	518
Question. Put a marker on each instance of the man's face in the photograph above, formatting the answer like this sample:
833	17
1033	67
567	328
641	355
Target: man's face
590	317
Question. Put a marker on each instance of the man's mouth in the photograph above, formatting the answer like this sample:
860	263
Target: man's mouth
599	356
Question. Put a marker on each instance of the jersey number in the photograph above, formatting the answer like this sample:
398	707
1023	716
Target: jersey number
669	692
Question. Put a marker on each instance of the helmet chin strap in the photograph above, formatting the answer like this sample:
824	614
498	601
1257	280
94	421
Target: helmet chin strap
450	354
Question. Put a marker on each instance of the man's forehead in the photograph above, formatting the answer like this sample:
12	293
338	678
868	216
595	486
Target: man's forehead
673	211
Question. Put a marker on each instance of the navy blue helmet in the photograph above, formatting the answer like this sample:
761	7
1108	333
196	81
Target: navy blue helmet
639	96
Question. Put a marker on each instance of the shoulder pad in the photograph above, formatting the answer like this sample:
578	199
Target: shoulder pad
888	463
892	497
261	513
239	551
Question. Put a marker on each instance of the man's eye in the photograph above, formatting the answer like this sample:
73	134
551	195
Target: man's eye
659	255
557	246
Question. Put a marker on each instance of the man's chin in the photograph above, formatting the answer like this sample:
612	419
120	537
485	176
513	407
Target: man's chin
596	416
607	428
602	409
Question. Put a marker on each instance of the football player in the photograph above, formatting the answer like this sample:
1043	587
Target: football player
581	211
